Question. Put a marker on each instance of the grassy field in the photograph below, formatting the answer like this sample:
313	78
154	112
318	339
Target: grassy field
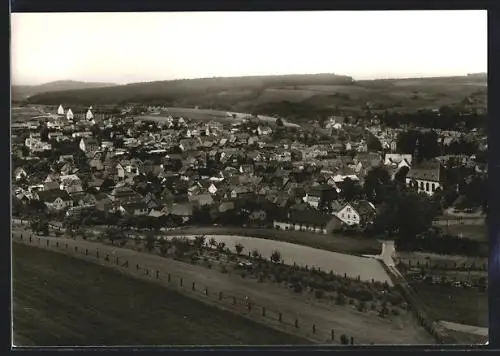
464	306
473	232
61	301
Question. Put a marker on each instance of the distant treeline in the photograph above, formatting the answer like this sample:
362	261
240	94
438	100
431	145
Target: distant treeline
446	118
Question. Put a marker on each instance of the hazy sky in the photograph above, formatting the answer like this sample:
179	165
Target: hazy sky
133	47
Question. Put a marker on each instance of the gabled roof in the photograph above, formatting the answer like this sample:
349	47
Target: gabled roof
363	207
51	195
427	172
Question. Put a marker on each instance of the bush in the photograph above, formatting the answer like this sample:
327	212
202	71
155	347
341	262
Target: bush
373	306
223	269
351	301
341	299
297	288
361	306
209	266
319	293
383	312
395	311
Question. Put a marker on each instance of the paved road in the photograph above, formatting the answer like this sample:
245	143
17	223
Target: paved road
365	329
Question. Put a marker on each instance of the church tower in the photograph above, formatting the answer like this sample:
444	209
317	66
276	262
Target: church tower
416	152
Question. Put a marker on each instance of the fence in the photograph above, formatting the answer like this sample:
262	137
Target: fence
423	318
459	221
221	299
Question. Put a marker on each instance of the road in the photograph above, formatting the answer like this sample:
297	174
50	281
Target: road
365	328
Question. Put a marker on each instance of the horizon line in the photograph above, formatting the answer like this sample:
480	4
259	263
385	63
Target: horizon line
355	78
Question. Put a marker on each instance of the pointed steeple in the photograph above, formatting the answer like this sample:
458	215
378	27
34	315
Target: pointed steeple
416	152
89	115
69	114
60	110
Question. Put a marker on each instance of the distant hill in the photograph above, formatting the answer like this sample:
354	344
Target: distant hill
292	96
22	92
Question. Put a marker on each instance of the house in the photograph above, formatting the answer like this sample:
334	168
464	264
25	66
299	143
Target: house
398	160
201	199
84	199
134	208
181	211
56	200
124	194
241	192
103	202
89	145
360	212
305	220
70	183
60	110
51	186
426	178
151	201
20	173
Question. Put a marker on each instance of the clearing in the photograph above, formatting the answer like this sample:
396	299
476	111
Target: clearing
59	300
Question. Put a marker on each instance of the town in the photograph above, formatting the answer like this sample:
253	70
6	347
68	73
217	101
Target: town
205	179
341	185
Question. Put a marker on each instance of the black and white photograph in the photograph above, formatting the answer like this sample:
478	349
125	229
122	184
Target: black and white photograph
249	178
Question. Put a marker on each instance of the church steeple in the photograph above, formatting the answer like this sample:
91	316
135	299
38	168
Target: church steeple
416	152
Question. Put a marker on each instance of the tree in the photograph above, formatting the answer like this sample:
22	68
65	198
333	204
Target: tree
375	180
212	242
276	256
255	253
199	242
239	248
221	246
150	241
373	143
114	234
350	189
279	122
164	246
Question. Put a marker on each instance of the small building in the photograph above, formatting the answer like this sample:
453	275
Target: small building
56	200
306	220
360	212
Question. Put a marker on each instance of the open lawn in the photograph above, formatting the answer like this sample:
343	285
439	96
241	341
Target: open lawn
59	300
464	306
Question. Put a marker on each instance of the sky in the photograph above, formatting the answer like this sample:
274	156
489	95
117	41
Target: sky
139	47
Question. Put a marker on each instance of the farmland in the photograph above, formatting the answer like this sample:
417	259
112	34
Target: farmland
345	319
59	300
464	306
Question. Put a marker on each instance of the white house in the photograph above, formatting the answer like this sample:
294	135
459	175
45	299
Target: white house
60	110
69	115
20	173
356	213
89	115
212	189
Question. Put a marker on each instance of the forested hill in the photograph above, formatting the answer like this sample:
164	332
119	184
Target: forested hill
293	96
21	92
